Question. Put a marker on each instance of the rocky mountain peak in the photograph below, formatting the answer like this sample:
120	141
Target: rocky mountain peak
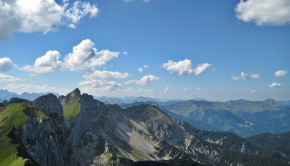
89	105
76	92
74	95
50	104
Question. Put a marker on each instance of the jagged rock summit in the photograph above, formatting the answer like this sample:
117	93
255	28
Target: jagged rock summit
74	95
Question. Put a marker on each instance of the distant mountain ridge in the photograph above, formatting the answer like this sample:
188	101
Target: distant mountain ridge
139	99
6	95
76	129
242	117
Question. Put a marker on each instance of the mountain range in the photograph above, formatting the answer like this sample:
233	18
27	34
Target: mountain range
77	129
242	117
6	95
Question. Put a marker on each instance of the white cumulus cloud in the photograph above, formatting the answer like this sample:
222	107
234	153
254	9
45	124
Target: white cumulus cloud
185	67
6	64
275	85
100	85
145	80
201	68
280	73
245	76
47	63
8	78
264	12
85	56
41	15
105	75
180	67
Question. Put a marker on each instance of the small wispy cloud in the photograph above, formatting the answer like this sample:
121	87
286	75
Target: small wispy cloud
141	69
253	91
144	1
275	85
21	88
98	74
280	73
166	89
198	90
145	80
245	76
7	78
100	85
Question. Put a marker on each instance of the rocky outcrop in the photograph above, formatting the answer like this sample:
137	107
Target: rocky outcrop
86	129
51	106
47	143
74	95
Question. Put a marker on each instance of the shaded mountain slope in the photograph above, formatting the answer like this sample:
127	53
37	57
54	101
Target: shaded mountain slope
275	146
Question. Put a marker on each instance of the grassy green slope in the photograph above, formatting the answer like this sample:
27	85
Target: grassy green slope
13	116
71	110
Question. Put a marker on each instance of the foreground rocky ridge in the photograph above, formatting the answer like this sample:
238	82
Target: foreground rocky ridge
79	130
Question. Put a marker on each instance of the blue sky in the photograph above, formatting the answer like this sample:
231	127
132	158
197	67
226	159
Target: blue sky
217	50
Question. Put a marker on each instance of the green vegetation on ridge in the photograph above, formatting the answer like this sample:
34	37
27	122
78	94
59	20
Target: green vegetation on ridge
71	110
13	117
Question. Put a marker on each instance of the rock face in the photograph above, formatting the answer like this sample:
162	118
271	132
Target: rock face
74	95
47	143
51	106
86	130
108	134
